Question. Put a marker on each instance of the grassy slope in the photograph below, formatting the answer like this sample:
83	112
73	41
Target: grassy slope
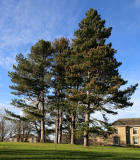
28	151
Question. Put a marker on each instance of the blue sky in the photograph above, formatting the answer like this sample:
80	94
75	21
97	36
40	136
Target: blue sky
24	22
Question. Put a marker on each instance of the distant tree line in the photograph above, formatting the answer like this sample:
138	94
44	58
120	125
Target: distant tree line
59	85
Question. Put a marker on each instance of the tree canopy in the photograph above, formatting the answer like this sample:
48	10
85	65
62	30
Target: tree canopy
70	81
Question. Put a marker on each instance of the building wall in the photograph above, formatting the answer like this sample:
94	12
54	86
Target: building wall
122	135
12	139
31	140
134	135
100	140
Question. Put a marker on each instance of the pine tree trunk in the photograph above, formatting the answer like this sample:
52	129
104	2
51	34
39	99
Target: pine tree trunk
57	127
19	132
42	138
23	130
60	126
85	131
87	117
72	127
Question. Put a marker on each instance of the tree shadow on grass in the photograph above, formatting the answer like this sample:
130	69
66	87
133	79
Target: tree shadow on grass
61	155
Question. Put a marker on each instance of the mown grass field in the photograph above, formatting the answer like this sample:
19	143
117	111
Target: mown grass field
37	151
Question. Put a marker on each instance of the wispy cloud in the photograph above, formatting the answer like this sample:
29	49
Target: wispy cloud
7	62
25	22
9	107
129	112
21	23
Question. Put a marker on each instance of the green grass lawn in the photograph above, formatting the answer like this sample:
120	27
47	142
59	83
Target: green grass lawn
37	151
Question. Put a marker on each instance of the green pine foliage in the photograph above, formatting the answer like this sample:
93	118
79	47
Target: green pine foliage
70	82
31	82
96	64
61	53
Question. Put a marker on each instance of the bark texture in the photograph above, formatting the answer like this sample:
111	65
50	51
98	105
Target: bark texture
72	127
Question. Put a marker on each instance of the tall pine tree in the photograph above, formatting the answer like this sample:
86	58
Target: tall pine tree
61	52
101	87
31	81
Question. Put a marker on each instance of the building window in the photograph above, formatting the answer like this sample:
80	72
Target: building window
135	131
135	140
116	140
116	130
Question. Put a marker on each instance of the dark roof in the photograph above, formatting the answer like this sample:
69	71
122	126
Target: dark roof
127	122
25	136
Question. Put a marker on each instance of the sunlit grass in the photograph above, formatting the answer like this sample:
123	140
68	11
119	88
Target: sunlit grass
38	151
